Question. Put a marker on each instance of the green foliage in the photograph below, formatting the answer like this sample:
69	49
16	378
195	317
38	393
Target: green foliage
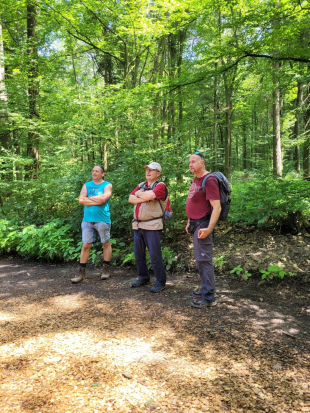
125	84
124	255
271	203
274	271
50	197
169	257
50	241
240	271
219	262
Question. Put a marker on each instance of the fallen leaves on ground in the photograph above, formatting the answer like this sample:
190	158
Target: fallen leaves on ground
103	347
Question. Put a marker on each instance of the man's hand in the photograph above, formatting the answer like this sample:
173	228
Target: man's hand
204	232
95	200
216	210
186	228
101	199
142	196
83	197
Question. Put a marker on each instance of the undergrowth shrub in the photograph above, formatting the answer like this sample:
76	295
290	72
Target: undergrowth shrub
50	241
124	255
284	204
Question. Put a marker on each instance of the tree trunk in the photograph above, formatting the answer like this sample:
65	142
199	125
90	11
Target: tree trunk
215	106
229	85
33	84
306	146
296	127
244	148
106	156
172	48
4	133
277	151
182	37
276	104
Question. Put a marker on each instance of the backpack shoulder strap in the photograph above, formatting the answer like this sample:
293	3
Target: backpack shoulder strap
203	184
148	188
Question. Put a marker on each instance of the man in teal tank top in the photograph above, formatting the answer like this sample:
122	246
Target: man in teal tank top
95	196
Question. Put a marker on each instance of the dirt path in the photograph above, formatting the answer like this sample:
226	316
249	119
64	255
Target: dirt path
103	347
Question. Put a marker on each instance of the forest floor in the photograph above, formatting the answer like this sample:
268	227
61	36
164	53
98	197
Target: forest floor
101	346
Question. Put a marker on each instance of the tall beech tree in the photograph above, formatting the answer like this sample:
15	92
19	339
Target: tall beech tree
33	82
103	77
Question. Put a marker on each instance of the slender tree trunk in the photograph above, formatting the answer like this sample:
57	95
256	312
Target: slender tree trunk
296	127
276	105
228	83
182	37
163	117
172	48
106	155
215	106
244	147
306	146
158	112
126	67
4	133
33	84
306	160
277	150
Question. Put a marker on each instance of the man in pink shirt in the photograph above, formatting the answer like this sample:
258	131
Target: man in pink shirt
203	210
149	199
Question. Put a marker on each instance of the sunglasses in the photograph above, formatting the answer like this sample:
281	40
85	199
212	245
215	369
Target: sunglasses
199	154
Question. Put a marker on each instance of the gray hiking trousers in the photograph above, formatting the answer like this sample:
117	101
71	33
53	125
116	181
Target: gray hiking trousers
203	251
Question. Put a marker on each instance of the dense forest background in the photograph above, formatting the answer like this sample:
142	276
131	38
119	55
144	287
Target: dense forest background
123	83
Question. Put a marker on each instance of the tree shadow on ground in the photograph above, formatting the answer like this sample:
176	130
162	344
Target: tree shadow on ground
105	346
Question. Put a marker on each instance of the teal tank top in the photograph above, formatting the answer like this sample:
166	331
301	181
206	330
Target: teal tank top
97	213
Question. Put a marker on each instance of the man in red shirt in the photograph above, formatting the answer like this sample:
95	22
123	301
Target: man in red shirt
149	199
203	211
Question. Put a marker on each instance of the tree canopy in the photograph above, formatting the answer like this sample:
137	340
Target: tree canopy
127	82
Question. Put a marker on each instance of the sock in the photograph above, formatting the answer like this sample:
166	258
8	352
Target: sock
106	262
83	265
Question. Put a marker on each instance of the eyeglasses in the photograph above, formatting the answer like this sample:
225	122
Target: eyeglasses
152	170
199	154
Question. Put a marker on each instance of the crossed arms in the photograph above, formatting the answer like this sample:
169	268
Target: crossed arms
142	196
95	200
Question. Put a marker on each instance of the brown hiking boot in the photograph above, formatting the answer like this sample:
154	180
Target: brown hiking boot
80	277
105	272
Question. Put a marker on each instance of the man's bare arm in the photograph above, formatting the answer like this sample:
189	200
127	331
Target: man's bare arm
142	196
83	199
101	199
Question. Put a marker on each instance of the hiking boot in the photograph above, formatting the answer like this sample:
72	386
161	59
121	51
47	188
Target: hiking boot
203	303
157	288
80	277
139	283
105	272
196	293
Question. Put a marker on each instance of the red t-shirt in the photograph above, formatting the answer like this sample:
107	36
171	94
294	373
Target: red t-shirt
160	191
198	204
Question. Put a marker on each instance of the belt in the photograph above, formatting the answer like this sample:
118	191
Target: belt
201	220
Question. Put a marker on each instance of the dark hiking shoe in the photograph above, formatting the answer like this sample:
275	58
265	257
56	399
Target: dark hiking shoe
203	303
139	283
80	276
157	288
105	272
196	293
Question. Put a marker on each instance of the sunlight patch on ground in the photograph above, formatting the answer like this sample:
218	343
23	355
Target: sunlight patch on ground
66	302
6	317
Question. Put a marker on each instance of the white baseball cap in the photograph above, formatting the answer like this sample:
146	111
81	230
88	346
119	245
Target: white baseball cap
153	165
